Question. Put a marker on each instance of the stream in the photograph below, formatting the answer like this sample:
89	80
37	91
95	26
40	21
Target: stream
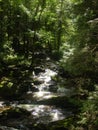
44	113
38	99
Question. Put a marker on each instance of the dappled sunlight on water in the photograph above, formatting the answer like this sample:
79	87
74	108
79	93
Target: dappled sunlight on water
37	96
1	103
45	113
46	76
43	88
41	94
45	95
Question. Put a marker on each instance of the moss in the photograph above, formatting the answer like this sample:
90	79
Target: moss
14	113
66	124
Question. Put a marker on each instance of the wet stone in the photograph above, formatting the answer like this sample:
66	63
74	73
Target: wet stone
52	88
38	70
37	82
42	102
7	128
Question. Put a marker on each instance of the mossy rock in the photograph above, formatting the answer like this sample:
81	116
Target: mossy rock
63	102
14	113
65	124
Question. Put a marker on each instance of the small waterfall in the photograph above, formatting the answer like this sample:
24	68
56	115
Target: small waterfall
43	88
39	98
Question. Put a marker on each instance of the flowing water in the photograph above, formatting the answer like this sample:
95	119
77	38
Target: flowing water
33	100
41	112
